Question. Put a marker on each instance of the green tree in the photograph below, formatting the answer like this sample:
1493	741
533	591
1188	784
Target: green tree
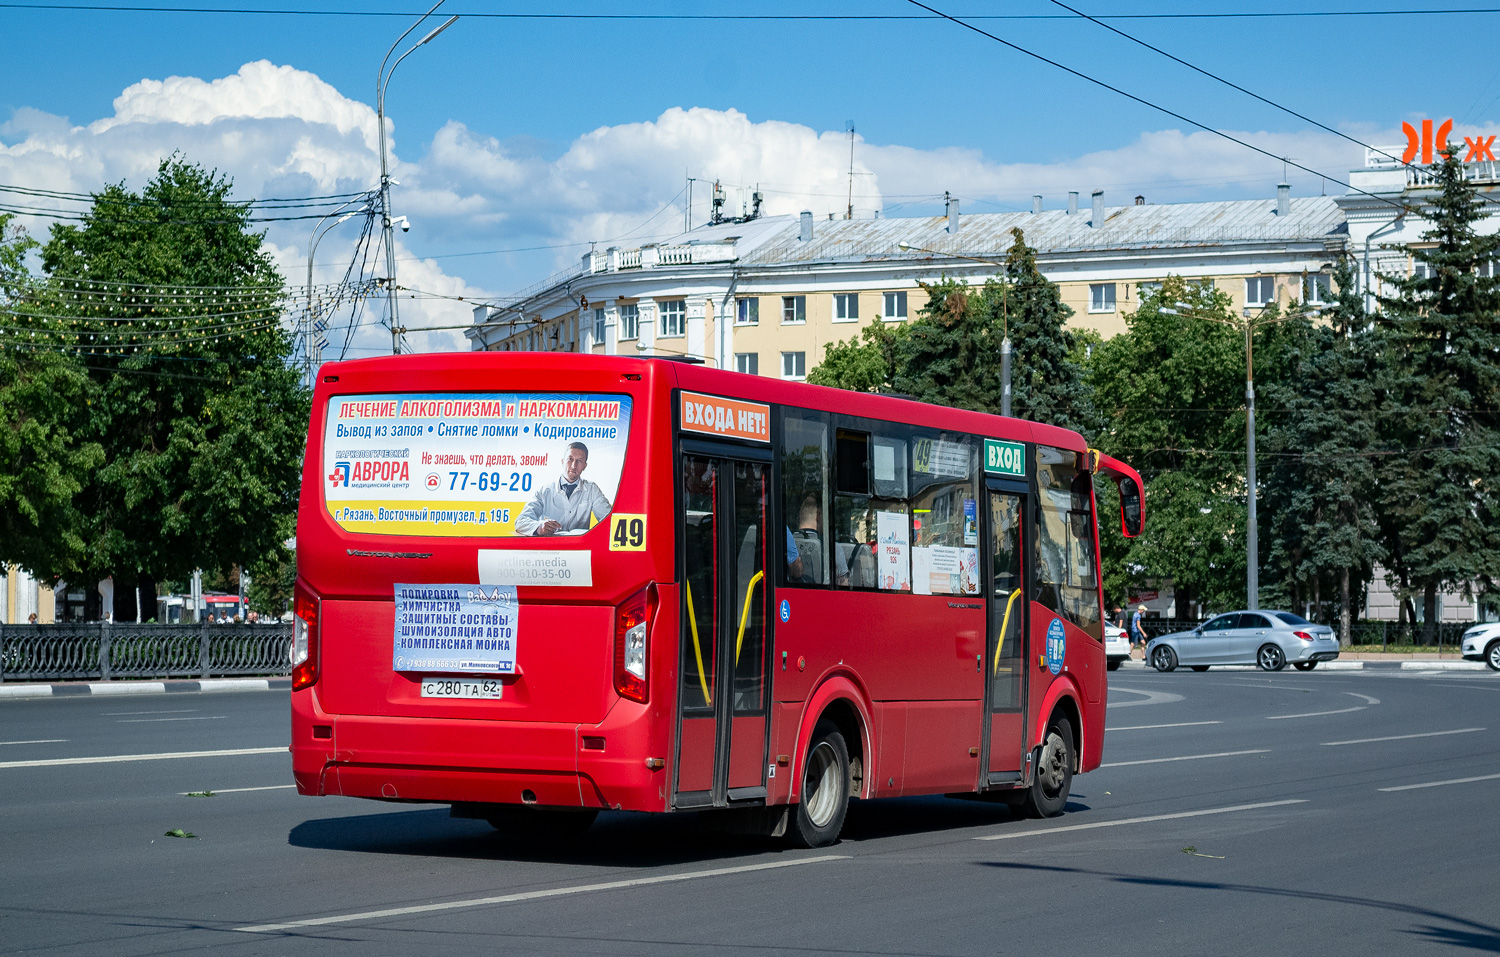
951	353
1320	477
173	306
1439	339
1171	391
44	457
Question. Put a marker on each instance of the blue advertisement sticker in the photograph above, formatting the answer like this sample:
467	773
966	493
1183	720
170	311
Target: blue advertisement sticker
1057	646
786	610
455	628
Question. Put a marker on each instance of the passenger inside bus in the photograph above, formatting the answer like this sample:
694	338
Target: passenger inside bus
808	539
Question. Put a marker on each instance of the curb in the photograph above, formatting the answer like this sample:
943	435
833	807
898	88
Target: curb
1444	666
89	688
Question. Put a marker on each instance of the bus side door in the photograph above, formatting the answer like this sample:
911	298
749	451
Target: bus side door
726	547
1006	654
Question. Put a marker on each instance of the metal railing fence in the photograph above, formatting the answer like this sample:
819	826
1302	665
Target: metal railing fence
104	651
1387	634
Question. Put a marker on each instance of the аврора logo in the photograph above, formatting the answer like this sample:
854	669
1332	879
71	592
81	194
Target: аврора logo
1481	148
340	475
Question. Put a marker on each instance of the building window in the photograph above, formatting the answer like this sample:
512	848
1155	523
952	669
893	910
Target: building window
793	310
846	307
1260	290
1421	270
598	325
673	318
895	305
630	322
1317	289
1102	297
1147	289
794	365
747	312
747	362
1487	269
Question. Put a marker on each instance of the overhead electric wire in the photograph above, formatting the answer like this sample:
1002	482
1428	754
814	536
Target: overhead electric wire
1231	84
1158	107
744	17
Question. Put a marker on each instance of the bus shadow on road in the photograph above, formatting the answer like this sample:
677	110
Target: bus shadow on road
626	839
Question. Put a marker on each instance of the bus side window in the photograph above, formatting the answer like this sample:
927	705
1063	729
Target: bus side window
1065	579
805	500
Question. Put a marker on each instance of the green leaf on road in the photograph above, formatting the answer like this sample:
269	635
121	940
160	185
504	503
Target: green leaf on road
179	832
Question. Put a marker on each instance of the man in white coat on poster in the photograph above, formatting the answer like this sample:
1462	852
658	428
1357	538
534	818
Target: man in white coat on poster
567	504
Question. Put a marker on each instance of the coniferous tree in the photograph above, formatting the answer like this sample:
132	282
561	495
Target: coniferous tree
1321	475
1439	348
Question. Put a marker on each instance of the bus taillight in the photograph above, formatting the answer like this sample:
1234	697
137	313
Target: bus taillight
304	638
632	630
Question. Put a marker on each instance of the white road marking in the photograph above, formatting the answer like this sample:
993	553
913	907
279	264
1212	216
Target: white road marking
1313	714
39	741
1141	820
1152	727
125	714
1402	737
1366	698
1438	784
1152	697
1185	757
535	895
123	758
267	787
201	717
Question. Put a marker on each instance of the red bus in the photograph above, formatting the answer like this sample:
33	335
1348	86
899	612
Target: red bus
534	586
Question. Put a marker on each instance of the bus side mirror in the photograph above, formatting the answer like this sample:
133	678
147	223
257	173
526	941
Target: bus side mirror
1131	498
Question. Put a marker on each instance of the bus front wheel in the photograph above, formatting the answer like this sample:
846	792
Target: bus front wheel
1048	793
825	789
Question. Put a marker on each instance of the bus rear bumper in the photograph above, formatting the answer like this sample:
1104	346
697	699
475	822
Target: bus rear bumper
448	761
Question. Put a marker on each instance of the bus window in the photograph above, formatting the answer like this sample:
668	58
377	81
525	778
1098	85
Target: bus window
805	499
1066	579
700	561
945	517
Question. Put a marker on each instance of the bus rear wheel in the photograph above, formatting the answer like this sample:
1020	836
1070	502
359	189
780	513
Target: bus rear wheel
1050	783
819	816
541	824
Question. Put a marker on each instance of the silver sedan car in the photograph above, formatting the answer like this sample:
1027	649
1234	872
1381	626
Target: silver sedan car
1269	639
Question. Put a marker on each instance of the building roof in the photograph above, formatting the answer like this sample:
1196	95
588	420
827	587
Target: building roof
1312	219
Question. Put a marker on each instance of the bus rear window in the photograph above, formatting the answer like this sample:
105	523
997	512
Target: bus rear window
487	465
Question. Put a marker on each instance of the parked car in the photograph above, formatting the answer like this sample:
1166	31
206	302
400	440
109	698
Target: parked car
1116	646
1269	639
1482	643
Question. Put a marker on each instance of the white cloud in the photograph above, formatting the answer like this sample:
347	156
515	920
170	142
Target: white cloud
280	131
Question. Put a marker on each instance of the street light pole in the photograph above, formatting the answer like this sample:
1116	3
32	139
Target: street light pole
309	333
382	80
1005	349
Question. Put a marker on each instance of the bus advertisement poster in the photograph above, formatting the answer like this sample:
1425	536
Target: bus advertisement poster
893	532
470	629
486	465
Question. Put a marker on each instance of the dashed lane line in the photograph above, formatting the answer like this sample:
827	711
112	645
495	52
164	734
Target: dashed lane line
125	758
1153	727
264	787
534	895
201	717
1141	820
1403	737
1185	757
1438	784
1314	714
38	741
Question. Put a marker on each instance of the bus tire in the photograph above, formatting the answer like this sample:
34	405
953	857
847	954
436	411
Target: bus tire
819	815
541	824
1053	777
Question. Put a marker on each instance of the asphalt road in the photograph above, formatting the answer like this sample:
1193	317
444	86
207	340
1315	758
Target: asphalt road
1237	813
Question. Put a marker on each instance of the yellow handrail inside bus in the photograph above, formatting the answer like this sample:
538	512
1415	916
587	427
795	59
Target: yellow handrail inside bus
697	649
1004	627
745	615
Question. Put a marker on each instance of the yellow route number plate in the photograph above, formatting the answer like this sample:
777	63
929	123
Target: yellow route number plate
627	533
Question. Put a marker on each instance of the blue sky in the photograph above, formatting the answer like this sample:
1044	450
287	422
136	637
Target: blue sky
512	133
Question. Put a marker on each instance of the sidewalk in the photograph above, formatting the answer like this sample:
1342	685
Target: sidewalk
186	686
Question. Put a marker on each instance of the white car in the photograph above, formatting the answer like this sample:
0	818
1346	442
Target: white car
1116	646
1482	643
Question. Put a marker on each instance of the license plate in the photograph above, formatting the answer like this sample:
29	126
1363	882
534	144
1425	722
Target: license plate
461	688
